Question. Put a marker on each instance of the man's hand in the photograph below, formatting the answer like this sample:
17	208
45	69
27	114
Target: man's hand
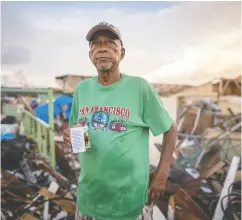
159	177
67	137
157	186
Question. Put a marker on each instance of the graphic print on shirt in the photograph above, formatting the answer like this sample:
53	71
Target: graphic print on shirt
118	125
100	120
105	117
83	122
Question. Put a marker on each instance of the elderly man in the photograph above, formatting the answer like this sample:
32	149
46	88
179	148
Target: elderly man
119	110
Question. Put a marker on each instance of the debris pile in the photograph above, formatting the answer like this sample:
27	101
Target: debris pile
204	181
209	140
30	188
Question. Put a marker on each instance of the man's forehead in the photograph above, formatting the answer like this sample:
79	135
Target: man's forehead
104	33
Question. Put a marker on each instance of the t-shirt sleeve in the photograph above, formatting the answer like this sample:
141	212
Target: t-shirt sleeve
155	116
74	110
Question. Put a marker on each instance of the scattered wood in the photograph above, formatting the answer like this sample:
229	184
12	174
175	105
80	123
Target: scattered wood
183	207
213	170
198	171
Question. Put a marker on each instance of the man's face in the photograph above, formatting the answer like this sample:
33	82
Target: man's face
106	50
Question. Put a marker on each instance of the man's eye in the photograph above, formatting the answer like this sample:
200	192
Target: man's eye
94	43
110	42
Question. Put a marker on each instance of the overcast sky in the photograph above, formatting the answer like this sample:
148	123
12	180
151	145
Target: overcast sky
165	42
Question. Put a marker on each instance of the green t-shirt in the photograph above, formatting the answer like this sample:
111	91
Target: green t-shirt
114	178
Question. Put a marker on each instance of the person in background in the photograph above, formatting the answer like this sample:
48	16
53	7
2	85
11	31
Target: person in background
114	182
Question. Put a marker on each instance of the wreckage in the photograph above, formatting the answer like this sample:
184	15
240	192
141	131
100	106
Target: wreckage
204	181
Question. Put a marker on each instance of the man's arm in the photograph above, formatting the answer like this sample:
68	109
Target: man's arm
159	121
168	147
159	178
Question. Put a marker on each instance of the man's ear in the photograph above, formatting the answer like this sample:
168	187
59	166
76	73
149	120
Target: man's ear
122	53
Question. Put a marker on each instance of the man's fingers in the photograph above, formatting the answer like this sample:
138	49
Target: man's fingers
153	195
67	140
66	133
69	146
67	136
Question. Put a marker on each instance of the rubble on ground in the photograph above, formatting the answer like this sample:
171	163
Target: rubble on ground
30	188
209	139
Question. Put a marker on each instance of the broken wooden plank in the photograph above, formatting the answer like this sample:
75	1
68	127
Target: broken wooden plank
27	216
211	162
63	181
213	170
18	197
10	178
26	105
66	205
182	206
215	140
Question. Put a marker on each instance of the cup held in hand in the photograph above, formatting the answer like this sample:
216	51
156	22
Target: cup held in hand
80	139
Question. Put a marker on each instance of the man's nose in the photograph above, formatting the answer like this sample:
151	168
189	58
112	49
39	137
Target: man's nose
102	47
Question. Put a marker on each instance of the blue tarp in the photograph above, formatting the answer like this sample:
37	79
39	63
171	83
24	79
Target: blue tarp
42	110
63	100
8	136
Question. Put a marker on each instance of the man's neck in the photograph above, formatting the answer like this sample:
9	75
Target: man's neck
108	77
